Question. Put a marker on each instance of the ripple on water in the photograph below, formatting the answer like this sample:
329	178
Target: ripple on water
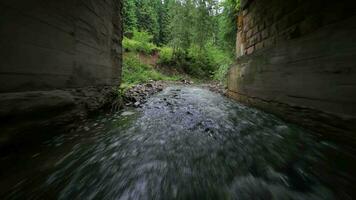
190	143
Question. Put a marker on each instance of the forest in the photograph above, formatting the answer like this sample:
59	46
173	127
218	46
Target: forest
194	38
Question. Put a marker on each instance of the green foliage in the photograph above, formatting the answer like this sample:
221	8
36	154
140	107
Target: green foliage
165	55
140	42
220	59
130	19
227	25
135	72
197	36
148	17
142	36
193	63
130	45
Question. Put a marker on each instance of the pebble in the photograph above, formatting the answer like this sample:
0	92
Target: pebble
127	113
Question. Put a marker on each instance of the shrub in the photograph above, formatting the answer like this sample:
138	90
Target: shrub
209	62
142	36
140	42
130	45
221	60
135	72
165	55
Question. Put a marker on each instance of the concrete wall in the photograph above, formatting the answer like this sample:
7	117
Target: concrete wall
51	44
59	60
297	59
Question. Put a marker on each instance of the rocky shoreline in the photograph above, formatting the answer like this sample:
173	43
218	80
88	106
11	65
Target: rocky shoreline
137	95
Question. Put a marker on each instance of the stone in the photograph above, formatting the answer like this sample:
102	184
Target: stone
127	113
264	34
250	50
259	46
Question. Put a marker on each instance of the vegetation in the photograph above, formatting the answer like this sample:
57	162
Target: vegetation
197	36
134	71
140	42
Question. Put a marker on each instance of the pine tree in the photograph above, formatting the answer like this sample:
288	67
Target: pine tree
147	17
130	19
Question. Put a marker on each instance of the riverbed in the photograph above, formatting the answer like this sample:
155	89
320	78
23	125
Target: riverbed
186	142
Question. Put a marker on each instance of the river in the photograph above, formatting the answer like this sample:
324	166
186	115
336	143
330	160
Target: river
184	143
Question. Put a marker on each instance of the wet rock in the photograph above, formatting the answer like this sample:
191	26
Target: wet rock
216	87
187	82
127	113
139	94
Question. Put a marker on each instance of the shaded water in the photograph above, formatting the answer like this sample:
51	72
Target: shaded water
185	143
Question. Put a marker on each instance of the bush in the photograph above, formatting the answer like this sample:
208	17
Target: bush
140	42
221	60
130	45
165	55
142	36
135	72
209	62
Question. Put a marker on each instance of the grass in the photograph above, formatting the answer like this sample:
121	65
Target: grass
136	72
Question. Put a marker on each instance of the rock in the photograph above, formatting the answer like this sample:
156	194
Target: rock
35	155
86	128
137	95
189	113
127	113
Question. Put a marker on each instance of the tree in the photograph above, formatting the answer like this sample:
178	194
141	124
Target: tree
228	25
130	19
147	17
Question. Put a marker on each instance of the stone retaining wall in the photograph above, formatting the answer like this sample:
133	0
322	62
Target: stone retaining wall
297	59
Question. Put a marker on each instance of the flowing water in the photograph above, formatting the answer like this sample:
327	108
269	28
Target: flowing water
184	143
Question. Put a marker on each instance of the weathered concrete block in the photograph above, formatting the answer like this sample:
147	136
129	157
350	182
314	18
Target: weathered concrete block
59	44
58	59
304	69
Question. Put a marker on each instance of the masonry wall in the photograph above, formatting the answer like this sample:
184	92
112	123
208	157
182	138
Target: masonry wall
59	61
297	59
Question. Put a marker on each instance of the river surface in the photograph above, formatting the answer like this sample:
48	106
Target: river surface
184	143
